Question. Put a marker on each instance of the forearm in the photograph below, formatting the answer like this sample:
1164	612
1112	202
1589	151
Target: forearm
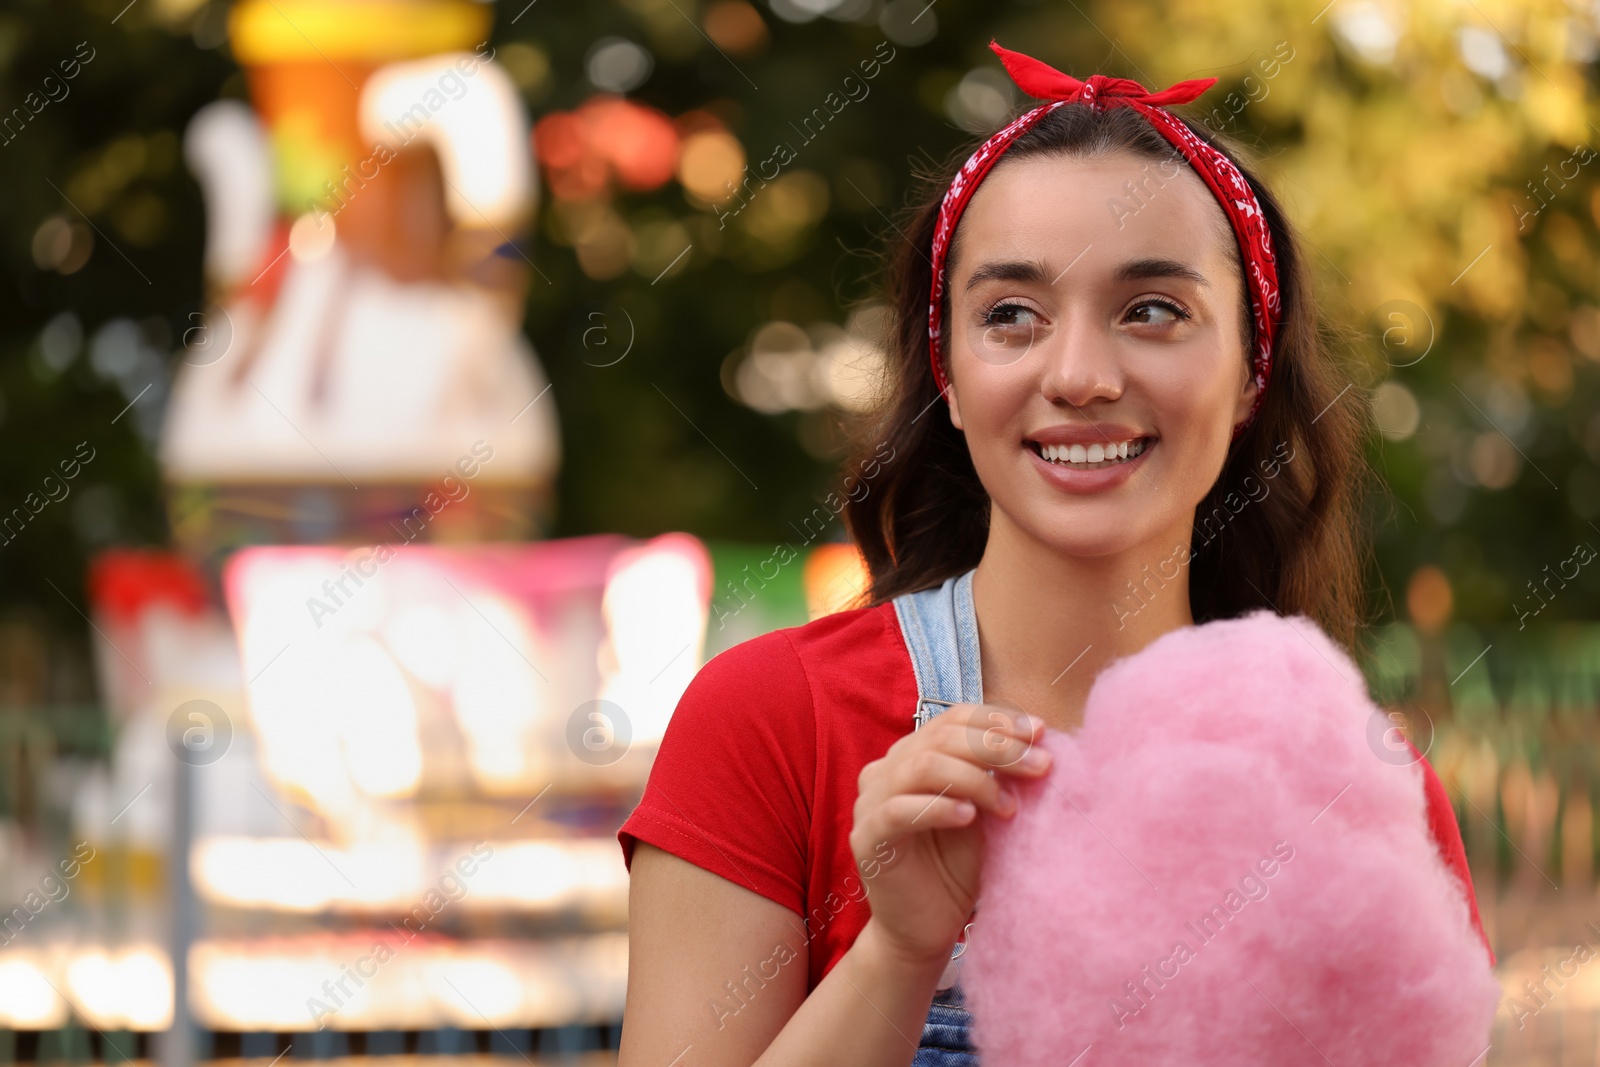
868	1011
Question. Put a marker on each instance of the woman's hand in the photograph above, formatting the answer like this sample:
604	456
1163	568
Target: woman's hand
917	839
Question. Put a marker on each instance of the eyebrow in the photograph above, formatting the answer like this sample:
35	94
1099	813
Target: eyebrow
1033	271
1009	271
1144	269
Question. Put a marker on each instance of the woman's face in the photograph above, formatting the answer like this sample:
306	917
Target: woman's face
1086	323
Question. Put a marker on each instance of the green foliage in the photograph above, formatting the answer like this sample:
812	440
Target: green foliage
1399	169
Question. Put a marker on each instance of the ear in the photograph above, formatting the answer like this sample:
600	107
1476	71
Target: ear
955	406
1247	397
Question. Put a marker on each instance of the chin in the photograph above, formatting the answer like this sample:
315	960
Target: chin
1094	539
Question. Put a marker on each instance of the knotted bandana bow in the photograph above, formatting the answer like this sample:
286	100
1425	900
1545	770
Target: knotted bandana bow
1233	193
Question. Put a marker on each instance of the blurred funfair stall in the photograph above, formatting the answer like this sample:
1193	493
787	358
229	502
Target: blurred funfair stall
370	738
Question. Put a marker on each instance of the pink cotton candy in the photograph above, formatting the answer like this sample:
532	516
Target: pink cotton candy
1217	754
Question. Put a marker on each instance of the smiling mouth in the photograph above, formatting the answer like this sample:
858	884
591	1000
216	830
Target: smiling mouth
1091	457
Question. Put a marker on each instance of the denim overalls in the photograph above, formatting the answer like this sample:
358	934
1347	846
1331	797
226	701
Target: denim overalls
941	633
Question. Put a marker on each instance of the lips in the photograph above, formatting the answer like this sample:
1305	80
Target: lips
1088	458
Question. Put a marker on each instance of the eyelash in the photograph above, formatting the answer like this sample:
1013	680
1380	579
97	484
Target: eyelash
1171	305
1004	305
1010	305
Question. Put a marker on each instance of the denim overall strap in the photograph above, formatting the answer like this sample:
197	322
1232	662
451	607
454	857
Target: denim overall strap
940	629
941	633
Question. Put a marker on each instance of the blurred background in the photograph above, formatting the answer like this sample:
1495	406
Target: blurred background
402	398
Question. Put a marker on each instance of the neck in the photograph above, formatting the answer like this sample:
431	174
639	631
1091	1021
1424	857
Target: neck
1048	622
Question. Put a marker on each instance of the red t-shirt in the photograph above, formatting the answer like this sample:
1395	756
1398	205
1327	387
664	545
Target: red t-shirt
756	777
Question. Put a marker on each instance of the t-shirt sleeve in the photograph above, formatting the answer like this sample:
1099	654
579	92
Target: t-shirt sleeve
1446	834
732	784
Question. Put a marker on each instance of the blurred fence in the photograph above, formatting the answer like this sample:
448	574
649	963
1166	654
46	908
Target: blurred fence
1507	718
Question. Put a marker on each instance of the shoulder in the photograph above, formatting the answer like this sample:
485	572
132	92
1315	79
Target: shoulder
801	673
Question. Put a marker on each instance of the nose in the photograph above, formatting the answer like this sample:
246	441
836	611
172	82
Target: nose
1080	363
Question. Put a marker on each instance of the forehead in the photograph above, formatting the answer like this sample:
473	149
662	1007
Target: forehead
1112	207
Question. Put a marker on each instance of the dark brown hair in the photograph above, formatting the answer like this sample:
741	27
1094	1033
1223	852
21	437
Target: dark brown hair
1299	549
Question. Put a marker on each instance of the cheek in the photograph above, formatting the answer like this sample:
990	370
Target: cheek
1192	398
991	405
1188	393
990	399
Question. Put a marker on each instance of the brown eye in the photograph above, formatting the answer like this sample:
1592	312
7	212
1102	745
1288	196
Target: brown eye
1156	313
1006	332
1008	315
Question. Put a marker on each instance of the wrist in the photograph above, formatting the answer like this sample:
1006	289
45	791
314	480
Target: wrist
881	951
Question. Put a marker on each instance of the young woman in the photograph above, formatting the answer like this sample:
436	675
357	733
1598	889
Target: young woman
1111	416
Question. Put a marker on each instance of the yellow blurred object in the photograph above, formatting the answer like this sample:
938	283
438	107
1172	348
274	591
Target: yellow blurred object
28	999
138	870
736	27
308	61
1429	599
835	578
129	990
710	163
405	981
174	12
279	31
292	875
793	203
1414	177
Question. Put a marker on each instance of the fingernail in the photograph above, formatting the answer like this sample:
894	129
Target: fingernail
1036	724
1035	759
1008	800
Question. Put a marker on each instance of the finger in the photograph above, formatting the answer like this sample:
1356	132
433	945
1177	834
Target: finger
1003	733
909	813
997	751
994	747
1001	717
948	774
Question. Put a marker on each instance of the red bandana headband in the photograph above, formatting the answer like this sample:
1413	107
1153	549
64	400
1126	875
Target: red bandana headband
1238	200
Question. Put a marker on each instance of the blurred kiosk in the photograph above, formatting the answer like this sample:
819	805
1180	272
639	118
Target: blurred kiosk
364	338
434	735
373	739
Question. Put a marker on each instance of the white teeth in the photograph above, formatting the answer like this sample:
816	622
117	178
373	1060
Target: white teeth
1094	455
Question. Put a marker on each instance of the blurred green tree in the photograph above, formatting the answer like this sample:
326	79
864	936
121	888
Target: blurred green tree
1436	158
